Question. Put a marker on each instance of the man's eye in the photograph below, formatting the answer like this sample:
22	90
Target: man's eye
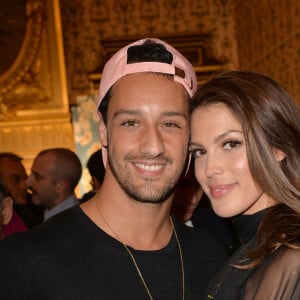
16	179
130	123
37	176
171	125
232	144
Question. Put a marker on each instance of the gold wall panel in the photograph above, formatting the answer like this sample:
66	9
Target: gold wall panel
34	108
86	24
194	46
27	138
268	38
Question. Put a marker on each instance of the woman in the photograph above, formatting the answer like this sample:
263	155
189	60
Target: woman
245	137
6	210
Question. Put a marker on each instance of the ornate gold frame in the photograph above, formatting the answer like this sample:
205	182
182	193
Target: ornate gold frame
34	106
25	59
37	78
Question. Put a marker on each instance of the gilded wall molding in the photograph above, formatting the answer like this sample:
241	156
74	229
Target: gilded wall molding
20	83
272	45
35	86
34	106
87	24
196	47
28	138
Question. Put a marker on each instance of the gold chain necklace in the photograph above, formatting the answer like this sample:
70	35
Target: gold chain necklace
134	261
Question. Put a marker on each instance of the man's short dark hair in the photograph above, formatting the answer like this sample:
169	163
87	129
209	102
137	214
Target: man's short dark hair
67	165
11	156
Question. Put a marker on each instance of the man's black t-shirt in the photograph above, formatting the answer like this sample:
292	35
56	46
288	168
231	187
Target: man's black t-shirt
69	257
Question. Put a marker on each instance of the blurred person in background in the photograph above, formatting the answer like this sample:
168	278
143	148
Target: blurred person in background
97	170
14	177
187	195
55	173
7	213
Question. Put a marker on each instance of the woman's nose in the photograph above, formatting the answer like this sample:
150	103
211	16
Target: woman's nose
213	165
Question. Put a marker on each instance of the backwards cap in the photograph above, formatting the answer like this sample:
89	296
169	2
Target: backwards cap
118	67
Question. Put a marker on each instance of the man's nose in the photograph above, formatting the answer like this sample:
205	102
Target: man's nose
152	142
28	180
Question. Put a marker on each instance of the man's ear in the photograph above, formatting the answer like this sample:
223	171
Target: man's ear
102	132
7	209
279	155
61	185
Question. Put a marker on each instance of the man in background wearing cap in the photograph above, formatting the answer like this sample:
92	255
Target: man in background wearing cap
122	243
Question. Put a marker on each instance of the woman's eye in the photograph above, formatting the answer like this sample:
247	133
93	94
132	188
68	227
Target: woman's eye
197	153
231	144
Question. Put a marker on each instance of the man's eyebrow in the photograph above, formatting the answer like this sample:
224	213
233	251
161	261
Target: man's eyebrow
175	114
126	112
137	113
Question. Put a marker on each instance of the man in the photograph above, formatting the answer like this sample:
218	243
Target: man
122	243
14	177
54	175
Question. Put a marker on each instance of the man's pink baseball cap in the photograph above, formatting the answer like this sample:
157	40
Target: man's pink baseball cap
117	67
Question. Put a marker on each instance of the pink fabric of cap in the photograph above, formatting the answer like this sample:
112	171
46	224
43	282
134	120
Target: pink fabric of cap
117	67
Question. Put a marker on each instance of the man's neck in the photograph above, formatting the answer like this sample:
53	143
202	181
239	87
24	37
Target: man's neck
143	226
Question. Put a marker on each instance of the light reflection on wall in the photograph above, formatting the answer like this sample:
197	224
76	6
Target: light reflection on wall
85	124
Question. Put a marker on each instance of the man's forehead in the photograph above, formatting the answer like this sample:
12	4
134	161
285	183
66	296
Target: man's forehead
43	164
134	91
45	157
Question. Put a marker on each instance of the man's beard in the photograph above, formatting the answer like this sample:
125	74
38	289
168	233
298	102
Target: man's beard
144	191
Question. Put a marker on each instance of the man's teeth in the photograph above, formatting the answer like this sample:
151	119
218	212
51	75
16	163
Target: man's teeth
149	168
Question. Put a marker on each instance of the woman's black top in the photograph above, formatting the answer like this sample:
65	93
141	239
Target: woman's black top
277	277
